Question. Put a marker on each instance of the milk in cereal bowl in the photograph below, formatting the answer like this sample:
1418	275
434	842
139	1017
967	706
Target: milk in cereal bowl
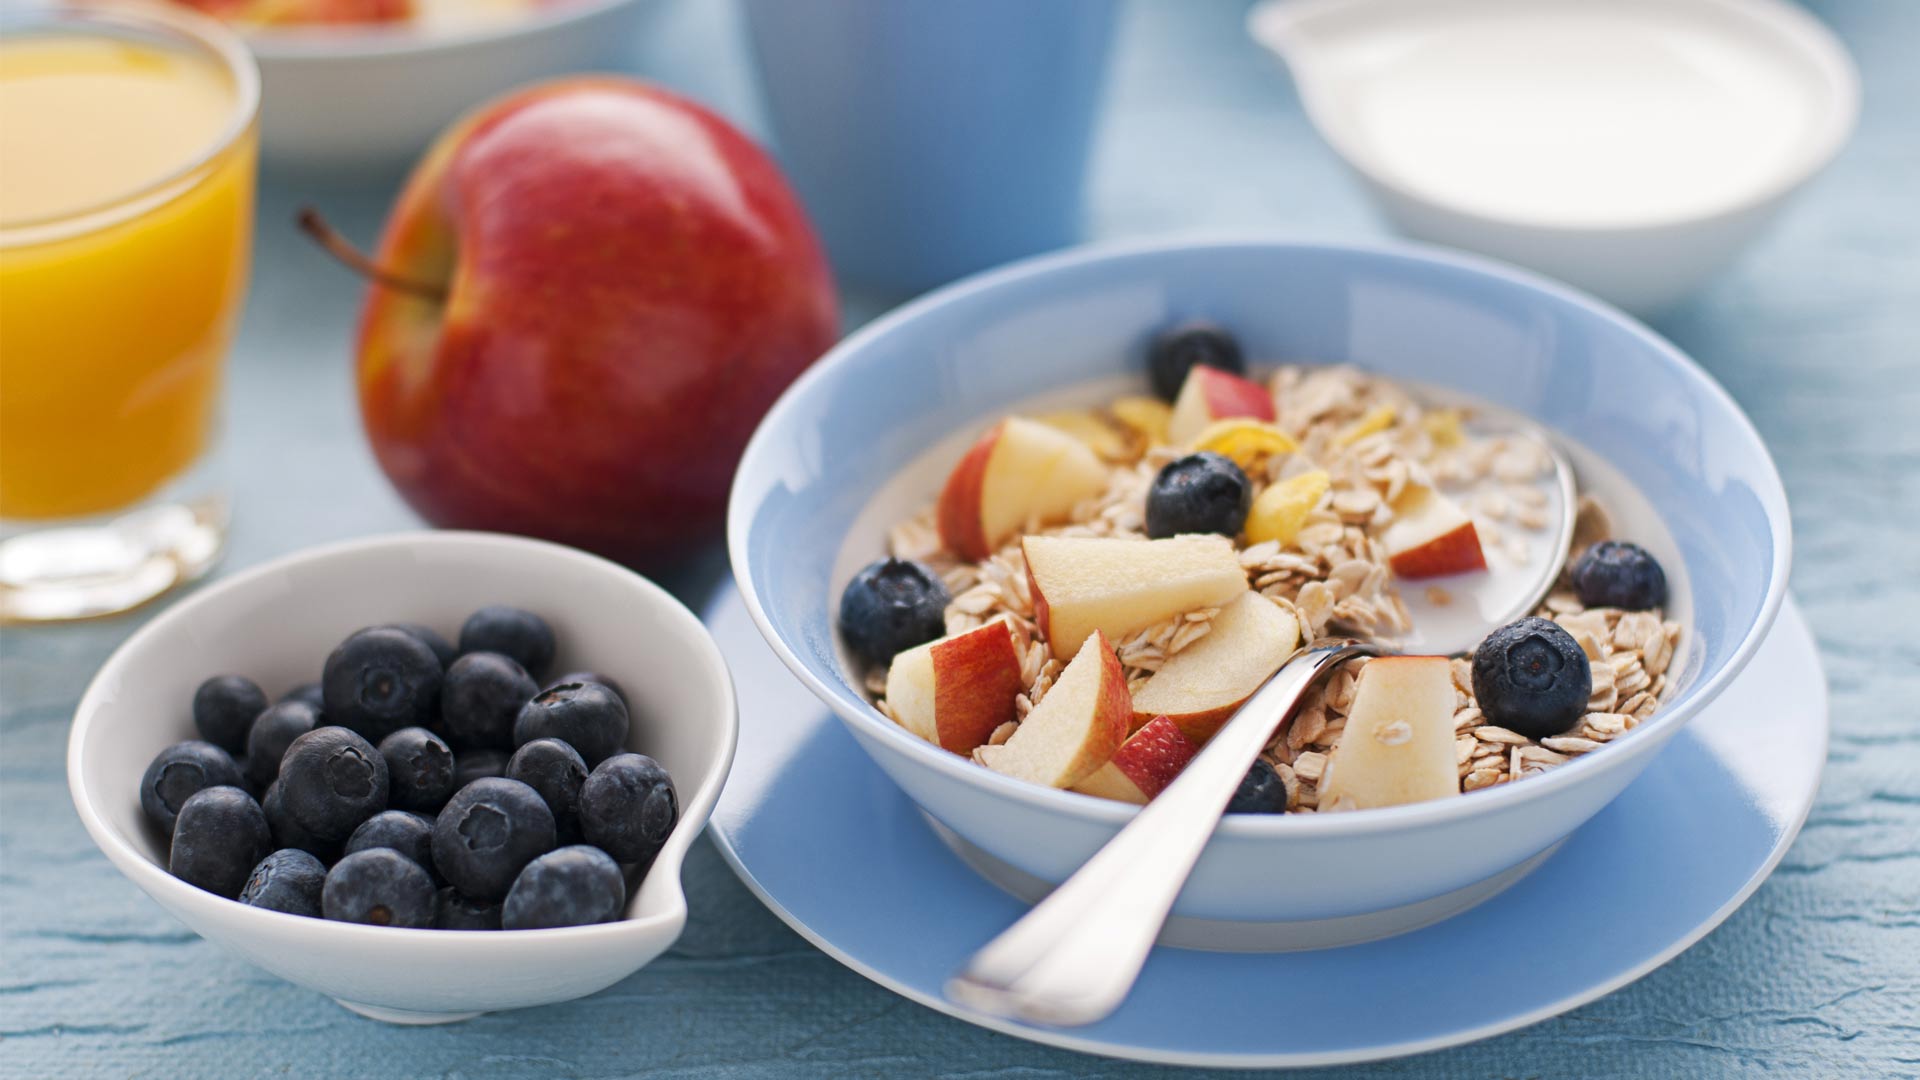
1069	515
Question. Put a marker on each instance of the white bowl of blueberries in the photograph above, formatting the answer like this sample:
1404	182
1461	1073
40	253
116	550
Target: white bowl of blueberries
429	775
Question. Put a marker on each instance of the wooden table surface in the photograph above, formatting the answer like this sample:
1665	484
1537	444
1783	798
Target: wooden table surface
1817	333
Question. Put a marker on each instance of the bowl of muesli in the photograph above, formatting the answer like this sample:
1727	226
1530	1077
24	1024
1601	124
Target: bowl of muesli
1036	536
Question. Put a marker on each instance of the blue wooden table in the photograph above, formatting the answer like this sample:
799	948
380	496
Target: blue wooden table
1817	334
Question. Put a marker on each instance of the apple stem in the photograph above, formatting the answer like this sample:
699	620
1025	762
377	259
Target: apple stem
342	249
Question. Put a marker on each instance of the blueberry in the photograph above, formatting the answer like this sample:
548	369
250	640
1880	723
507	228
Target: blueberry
407	833
556	771
219	836
379	887
489	831
380	680
571	886
288	833
1199	493
1261	791
1531	677
457	912
471	765
224	708
592	677
628	806
419	770
481	697
1174	353
332	780
891	606
522	635
1614	573
271	735
288	880
179	771
310	693
443	649
586	716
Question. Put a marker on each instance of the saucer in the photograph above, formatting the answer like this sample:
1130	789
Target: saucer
827	842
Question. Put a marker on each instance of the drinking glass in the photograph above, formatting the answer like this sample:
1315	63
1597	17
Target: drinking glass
123	271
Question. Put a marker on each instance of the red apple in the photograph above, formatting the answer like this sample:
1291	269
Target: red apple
1075	729
307	12
1019	471
1210	394
1087	584
955	691
1430	536
1398	746
1144	765
1202	686
618	284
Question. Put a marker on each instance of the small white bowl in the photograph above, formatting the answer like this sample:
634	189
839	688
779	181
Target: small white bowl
337	99
1455	116
275	624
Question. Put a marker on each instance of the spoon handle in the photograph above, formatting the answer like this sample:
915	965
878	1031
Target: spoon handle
1074	957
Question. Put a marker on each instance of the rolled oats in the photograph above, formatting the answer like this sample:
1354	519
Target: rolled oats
1374	442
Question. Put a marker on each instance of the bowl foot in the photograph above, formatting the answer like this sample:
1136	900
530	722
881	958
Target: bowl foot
404	1016
1231	935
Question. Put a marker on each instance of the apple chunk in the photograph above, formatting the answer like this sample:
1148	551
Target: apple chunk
1210	394
1143	766
1430	536
1398	744
1085	584
1075	729
1201	686
955	691
1019	471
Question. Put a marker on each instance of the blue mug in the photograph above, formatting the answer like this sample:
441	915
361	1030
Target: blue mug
933	138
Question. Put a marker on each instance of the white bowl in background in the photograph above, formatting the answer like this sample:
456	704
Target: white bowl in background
338	99
276	623
1631	148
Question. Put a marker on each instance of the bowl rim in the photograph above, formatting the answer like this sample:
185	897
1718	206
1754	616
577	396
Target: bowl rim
322	43
1107	812
1269	24
156	881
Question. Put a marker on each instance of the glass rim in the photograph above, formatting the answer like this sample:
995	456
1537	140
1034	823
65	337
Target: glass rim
198	30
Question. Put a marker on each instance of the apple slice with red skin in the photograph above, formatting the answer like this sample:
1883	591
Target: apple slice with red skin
1020	470
1210	394
1201	686
1085	584
1430	536
1075	729
1144	765
955	691
1398	745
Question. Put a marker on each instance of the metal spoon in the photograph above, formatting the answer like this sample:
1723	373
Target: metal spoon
1074	957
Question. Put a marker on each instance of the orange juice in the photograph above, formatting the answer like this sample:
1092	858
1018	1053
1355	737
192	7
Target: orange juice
126	209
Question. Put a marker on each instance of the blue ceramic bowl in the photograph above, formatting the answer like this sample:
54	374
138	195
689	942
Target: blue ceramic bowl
865	437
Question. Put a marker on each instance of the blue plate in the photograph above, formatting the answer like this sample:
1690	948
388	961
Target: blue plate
886	898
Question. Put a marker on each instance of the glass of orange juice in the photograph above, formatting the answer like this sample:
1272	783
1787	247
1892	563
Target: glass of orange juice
127	147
